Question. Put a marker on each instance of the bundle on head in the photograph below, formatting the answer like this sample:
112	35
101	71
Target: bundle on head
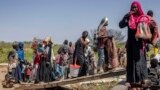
104	22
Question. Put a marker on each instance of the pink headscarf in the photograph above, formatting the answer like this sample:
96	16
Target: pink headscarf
140	11
133	18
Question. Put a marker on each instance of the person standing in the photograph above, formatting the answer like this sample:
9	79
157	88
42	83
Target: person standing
136	60
17	72
21	58
79	53
153	27
48	48
71	51
64	51
102	34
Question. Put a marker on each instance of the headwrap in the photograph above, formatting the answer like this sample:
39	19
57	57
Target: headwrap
21	45
140	11
15	45
133	17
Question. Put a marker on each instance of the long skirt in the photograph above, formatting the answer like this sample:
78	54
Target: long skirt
44	72
136	67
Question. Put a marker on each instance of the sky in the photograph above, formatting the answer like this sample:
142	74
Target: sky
21	20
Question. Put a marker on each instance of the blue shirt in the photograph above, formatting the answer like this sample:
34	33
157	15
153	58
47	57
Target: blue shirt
20	54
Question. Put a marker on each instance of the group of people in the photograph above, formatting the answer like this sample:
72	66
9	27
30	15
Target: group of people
47	67
18	68
142	30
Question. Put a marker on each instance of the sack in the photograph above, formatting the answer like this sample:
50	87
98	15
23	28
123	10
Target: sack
143	29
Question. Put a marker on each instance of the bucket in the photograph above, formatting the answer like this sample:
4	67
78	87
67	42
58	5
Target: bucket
74	69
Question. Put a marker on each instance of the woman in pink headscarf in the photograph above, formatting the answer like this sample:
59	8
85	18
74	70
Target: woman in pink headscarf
136	60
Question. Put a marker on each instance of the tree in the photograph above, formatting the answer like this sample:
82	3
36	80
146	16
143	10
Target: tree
118	34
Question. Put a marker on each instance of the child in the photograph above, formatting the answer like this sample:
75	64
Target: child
23	71
28	71
153	72
11	62
154	28
65	58
58	69
10	76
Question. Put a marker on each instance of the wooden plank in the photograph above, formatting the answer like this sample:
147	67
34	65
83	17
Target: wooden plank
72	81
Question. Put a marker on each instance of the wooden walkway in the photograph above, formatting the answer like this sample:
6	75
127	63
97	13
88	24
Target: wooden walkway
71	81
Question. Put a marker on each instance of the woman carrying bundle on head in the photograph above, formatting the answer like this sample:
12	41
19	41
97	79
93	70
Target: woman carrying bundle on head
101	35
